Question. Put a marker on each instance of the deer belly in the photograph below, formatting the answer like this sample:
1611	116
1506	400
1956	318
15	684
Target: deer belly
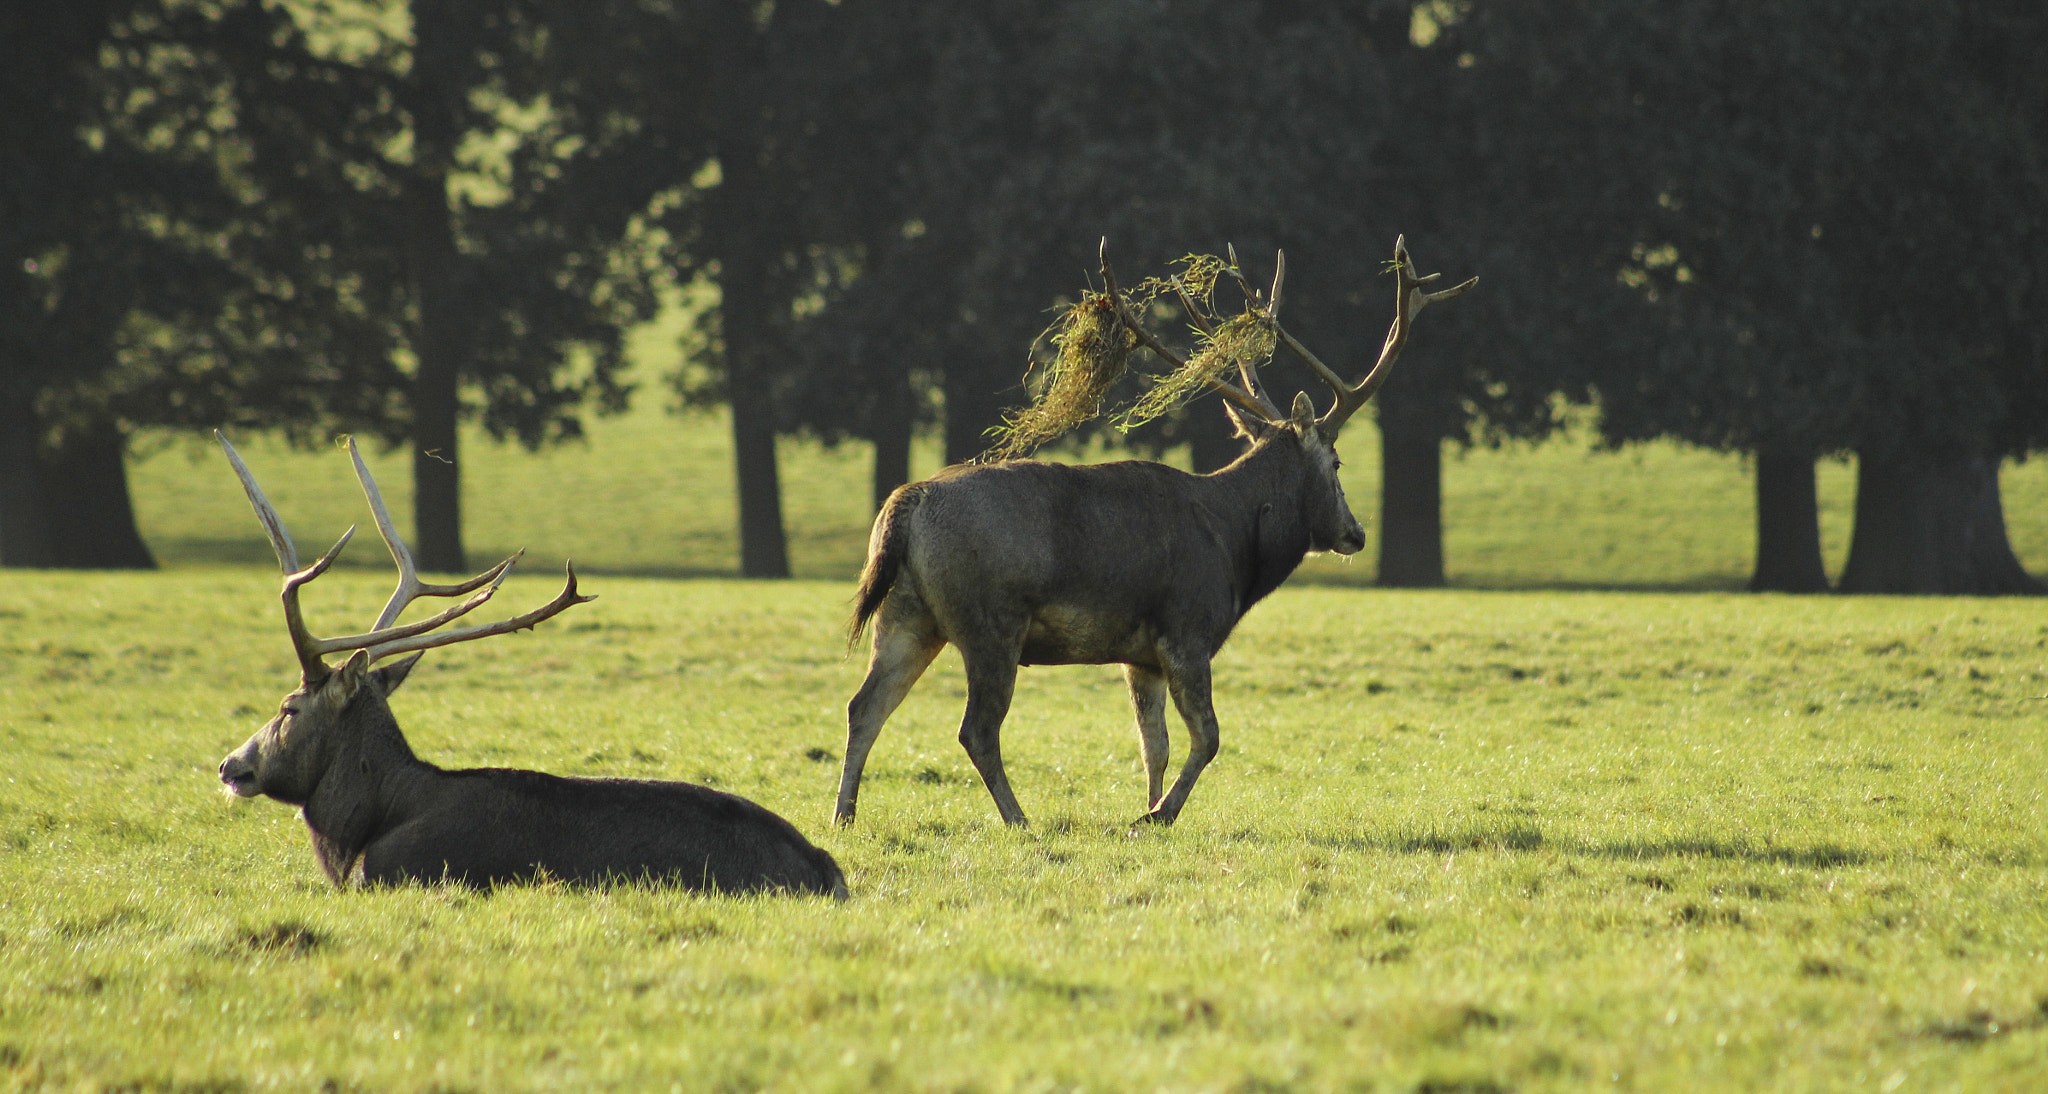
1063	635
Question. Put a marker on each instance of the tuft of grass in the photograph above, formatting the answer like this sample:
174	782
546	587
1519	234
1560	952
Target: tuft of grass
1091	352
1247	338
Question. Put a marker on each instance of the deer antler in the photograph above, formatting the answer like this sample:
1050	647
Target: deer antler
1410	300
1250	397
383	639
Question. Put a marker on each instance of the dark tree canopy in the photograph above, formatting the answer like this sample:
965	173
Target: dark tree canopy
1790	230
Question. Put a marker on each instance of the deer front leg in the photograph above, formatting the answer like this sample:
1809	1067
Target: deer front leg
1148	700
904	648
1188	682
991	680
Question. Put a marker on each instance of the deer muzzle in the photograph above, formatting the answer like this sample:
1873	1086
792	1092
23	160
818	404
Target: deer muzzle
1351	541
238	773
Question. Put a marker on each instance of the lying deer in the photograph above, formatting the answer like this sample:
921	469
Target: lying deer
1028	563
380	815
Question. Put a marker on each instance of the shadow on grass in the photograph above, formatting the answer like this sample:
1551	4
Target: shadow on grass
1820	856
195	551
201	551
1528	837
1707	582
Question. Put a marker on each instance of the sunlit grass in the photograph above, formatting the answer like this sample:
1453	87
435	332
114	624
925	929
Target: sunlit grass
653	494
1455	841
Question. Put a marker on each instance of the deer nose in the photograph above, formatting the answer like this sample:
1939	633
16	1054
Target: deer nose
239	776
1352	541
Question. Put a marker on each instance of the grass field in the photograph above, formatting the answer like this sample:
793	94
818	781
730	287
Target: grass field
1456	841
1461	841
650	494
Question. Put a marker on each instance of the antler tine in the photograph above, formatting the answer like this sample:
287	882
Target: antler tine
1251	401
1251	294
1279	276
1410	299
384	639
304	644
280	540
563	600
410	587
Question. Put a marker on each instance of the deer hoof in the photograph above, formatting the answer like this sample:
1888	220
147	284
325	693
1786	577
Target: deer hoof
1155	817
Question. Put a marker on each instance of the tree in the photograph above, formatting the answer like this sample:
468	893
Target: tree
106	199
472	176
1799	174
334	226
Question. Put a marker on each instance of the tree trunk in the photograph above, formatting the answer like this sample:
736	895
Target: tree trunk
1411	504
973	406
764	551
1931	525
434	101
24	521
892	430
91	518
746	324
1787	525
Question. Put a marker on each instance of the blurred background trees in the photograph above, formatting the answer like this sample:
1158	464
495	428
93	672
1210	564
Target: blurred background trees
1792	231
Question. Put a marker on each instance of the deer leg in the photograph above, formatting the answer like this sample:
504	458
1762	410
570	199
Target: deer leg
904	648
1148	699
991	680
1189	684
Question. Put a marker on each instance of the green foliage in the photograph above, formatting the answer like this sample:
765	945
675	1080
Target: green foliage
1455	841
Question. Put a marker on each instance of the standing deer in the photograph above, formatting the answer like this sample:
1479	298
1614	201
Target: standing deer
1028	563
380	815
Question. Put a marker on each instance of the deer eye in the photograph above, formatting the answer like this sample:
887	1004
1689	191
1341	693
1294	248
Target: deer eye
1335	463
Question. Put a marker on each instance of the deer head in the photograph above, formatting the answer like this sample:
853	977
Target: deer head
285	758
1331	525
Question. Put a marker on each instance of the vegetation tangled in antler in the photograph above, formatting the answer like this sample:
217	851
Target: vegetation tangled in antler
1093	350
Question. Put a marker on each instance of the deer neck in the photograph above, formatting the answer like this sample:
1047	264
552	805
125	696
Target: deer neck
1261	495
370	776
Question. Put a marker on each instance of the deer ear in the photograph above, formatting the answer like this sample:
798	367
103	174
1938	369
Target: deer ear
390	676
348	679
1304	418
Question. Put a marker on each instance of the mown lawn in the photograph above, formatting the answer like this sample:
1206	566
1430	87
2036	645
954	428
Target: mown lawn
1456	841
651	494
1464	841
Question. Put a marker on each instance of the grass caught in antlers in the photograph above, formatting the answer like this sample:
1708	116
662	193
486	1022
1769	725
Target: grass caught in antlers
1093	352
1244	338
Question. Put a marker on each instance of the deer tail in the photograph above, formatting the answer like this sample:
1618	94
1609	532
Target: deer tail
887	545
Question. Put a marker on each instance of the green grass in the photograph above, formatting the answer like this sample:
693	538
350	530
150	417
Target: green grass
651	494
1455	841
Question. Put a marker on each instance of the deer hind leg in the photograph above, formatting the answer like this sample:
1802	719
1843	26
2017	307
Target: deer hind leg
905	643
1188	682
1148	699
991	680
